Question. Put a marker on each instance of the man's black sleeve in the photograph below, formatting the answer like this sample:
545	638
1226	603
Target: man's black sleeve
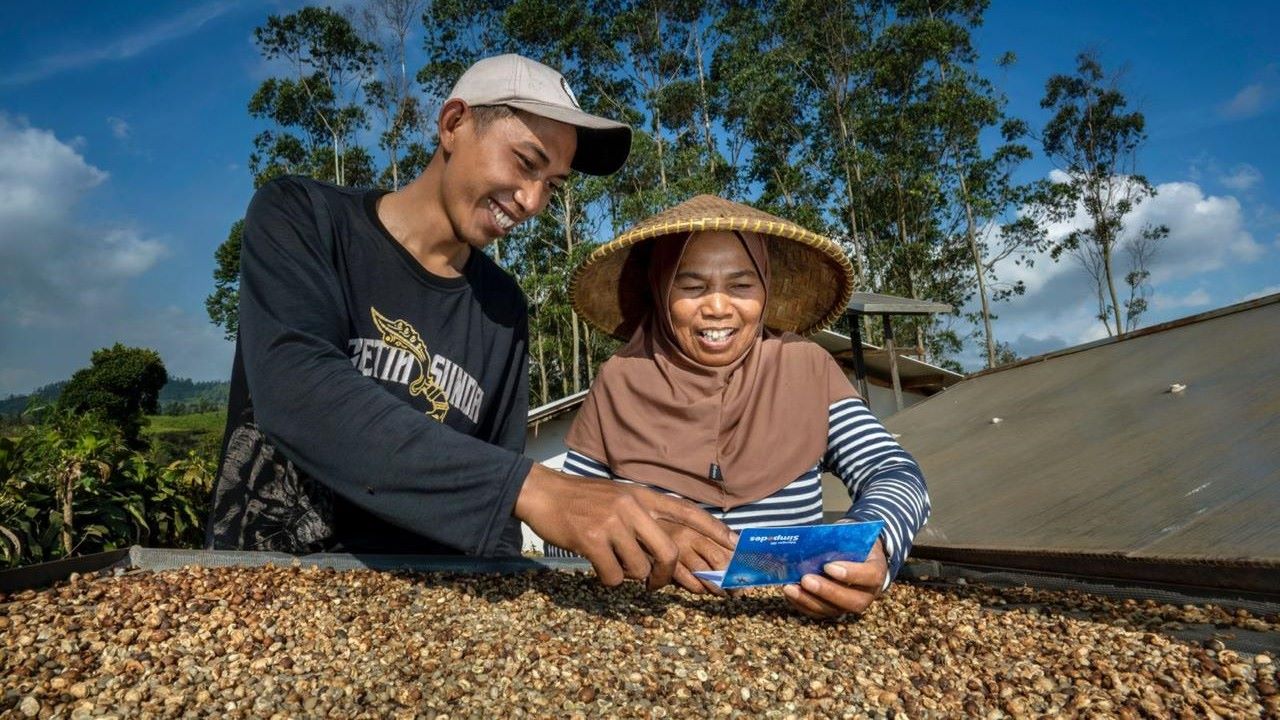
337	425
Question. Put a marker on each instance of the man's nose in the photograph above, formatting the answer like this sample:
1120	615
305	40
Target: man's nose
532	197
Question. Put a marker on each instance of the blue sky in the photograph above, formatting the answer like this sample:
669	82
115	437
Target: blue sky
124	138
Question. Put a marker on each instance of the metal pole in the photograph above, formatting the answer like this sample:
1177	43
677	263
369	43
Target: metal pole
859	362
893	359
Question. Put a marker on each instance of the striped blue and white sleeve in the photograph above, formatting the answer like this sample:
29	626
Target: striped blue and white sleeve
884	481
583	466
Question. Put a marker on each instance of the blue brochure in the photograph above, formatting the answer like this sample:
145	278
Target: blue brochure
781	555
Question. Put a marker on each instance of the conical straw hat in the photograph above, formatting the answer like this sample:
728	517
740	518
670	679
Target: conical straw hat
812	279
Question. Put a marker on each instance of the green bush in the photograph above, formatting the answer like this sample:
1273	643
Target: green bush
71	485
120	385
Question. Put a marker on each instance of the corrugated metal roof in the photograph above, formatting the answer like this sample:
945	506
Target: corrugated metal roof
1088	450
554	408
877	303
916	375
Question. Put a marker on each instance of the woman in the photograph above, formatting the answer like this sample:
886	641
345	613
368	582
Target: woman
717	399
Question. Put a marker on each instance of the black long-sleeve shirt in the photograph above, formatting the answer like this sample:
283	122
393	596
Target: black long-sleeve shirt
403	392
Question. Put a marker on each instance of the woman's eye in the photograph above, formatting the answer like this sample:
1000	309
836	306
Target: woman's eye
525	162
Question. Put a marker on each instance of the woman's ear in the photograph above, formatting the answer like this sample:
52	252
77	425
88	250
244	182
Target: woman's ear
453	117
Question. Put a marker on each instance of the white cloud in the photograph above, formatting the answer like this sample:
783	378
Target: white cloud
119	128
65	284
120	48
1205	233
40	176
1194	299
47	259
1260	293
1255	97
1247	102
125	254
1059	309
1241	177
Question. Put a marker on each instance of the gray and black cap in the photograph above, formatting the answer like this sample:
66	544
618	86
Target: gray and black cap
516	81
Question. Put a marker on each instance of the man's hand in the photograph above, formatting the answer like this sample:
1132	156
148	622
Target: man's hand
844	587
697	552
616	526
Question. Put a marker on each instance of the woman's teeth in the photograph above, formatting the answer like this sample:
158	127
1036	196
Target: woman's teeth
718	335
503	220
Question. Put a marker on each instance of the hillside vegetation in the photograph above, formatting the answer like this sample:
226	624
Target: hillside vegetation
179	396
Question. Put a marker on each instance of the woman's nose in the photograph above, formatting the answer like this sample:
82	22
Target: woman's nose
716	304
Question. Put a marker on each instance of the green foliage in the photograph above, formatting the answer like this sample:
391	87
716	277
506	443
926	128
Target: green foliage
71	486
223	304
391	94
1005	355
15	405
1094	139
868	121
181	396
317	112
174	437
121	384
205	422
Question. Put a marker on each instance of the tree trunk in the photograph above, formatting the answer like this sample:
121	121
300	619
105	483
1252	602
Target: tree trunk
849	192
706	110
577	352
337	166
657	92
564	377
542	370
902	215
1111	288
573	314
910	279
1103	239
586	340
68	481
971	235
980	270
395	168
782	188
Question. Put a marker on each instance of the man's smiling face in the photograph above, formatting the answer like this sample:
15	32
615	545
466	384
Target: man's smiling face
503	172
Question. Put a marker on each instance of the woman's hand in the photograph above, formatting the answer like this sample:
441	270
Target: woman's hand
844	587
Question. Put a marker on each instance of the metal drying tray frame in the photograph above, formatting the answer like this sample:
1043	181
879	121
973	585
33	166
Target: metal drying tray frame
934	571
157	559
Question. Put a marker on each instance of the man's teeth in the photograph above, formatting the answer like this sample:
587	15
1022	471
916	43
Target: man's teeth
504	221
716	335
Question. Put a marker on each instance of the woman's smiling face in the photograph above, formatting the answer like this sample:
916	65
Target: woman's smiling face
716	300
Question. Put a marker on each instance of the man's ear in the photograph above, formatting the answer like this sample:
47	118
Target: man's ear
453	116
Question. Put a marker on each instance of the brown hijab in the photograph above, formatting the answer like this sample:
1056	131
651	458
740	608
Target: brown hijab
725	436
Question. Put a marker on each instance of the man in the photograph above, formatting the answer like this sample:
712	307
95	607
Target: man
379	395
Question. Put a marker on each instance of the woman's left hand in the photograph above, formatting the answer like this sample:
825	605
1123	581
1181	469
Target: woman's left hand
844	587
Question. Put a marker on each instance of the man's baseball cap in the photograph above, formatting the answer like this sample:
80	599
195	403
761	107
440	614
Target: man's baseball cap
603	145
